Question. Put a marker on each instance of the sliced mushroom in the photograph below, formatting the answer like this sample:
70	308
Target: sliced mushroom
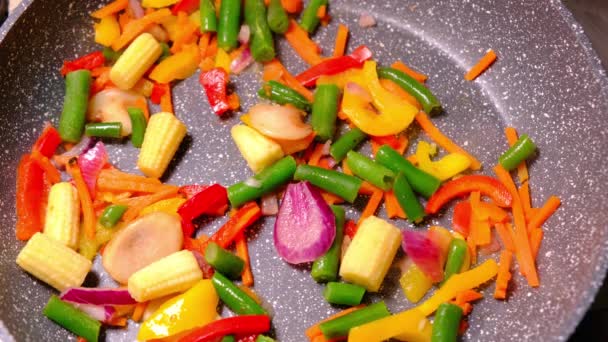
143	241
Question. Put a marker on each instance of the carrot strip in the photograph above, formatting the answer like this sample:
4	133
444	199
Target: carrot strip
212	48
468	296
341	40
147	200
412	159
86	204
484	234
367	188
522	168
316	155
347	171
81	339
536	237
545	212
504	274
331	198
243	218
136	27
434	133
524	194
142	104
203	44
292	6
397	90
482	65
243	252
522	243
123	20
393	209
49	170
111	8
118	322
505	236
399	65
372	205
292	82
166	102
322	12
273	71
138	313
472	248
299	40
315	330
100	71
375	146
105	182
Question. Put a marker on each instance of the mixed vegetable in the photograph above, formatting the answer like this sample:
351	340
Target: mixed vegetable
300	141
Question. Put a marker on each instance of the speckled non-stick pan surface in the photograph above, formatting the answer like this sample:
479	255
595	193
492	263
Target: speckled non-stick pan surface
547	82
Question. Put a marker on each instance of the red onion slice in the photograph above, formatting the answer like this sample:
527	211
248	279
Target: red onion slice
244	34
97	296
424	253
270	205
91	163
242	62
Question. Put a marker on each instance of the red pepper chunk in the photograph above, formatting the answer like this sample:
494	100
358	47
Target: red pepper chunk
190	190
334	66
350	229
48	141
389	140
88	62
207	201
187	6
158	91
486	185
243	218
30	195
238	325
461	220
215	82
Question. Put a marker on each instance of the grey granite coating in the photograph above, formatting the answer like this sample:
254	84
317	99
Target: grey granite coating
547	82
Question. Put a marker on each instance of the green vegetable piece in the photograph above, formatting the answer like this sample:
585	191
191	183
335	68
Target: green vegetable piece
430	104
261	42
457	253
263	338
325	111
138	126
264	182
309	20
228	338
72	319
370	170
340	326
229	24
208	17
282	94
73	116
346	143
223	261
407	199
446	323
166	51
277	17
112	214
332	181
422	182
103	129
237	300
325	268
343	293
110	55
520	151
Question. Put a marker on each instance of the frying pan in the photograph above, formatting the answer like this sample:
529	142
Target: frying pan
547	82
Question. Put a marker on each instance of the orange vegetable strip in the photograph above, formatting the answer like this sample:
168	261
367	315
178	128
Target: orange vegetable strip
434	133
138	26
536	237
524	194
81	339
367	188
212	48
472	247
147	200
322	12
245	216
111	8
166	102
138	313
316	155
54	176
203	44
243	252
399	65
302	44
120	175
346	170
545	212
482	65
123	20
292	82
86	204
397	90
292	6
375	147
505	236
234	102
504	274
522	168
114	185
372	205
412	159
100	70
118	322
393	209
143	105
331	198
521	241
341	40
273	71
484	234
315	330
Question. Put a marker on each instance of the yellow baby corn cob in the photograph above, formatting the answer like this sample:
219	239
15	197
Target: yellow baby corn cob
258	150
174	273
62	221
135	61
53	263
163	136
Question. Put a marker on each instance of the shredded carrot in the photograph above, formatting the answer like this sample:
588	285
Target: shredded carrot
53	175
536	237
234	101
81	339
545	212
186	32
372	205
504	274
468	296
484	233
147	200
322	12
393	209
331	198
434	133
316	155
524	194
412	159
123	20
111	8
117	181
118	322
341	40
397	90
292	82
472	248
375	146
299	40
315	330
522	168
346	170
207	64
292	6
138	313
100	70
367	188
86	204
203	44
166	102
273	71
521	241
243	218
482	65
243	252
399	65
212	48
142	104
136	27
505	236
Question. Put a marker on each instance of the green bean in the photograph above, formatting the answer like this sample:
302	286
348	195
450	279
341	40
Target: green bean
407	200
332	181
263	338
422	182
237	300
228	338
112	214
309	20
223	261
72	319
446	323
277	17
282	94
208	17
343	294
264	182
345	143
325	111
166	51
138	126
430	104
261	42
520	151
340	326
229	24
73	116
457	252
103	129
370	170
110	55
325	268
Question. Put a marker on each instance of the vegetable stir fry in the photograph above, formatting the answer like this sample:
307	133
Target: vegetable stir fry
301	143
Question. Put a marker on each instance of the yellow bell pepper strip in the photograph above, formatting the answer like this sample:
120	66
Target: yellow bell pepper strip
178	66
445	168
223	60
394	115
169	206
107	30
410	325
194	308
341	79
157	3
414	283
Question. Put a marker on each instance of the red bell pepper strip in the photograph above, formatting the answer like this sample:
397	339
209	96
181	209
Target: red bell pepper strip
215	82
461	221
187	6
243	218
30	195
389	140
238	325
191	190
335	65
48	141
461	186
350	229
207	201
158	91
89	62
187	228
